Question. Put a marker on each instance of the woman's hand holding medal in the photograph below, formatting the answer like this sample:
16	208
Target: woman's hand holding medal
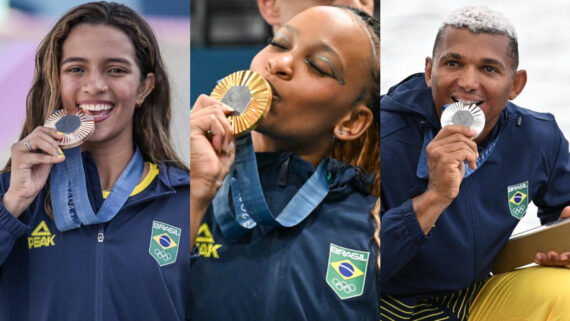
212	147
212	151
32	159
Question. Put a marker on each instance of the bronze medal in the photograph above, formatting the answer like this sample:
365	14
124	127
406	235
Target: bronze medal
249	95
76	127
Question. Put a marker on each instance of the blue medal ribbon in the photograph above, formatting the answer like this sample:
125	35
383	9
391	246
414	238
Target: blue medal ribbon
250	208
422	170
69	199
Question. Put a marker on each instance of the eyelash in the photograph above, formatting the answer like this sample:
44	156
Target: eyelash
117	71
74	70
272	42
315	67
451	63
490	69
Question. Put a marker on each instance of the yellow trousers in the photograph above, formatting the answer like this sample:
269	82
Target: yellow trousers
536	293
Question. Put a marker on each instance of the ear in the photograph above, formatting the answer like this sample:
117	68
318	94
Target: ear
269	10
518	84
427	74
354	123
146	88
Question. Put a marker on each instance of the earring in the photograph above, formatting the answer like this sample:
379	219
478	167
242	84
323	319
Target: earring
139	103
340	132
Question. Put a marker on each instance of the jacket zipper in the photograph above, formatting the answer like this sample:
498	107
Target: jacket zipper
99	272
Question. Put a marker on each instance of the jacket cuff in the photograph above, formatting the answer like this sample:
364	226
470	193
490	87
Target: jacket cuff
9	223
413	227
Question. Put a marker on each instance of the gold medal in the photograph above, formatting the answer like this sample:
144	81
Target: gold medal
249	95
468	115
76	127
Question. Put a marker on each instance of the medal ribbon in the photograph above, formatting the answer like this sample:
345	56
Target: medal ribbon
422	170
250	208
69	199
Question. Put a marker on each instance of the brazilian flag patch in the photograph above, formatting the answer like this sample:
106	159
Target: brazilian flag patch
517	196
346	271
164	243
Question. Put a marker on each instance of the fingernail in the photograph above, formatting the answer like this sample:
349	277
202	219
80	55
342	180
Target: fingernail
60	153
538	258
230	148
228	109
564	257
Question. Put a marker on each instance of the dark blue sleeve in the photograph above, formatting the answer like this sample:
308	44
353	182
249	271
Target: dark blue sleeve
11	228
401	237
555	195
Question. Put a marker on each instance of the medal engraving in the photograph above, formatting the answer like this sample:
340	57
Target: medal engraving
249	95
237	97
468	115
76	127
68	124
462	117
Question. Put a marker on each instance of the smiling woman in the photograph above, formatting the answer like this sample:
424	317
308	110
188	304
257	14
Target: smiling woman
115	208
290	227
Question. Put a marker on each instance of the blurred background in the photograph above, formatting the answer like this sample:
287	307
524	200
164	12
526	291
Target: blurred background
408	32
24	23
225	37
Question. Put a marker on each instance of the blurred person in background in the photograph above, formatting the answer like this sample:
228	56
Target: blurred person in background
277	12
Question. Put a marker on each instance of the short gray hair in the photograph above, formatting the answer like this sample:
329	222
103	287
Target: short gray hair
481	19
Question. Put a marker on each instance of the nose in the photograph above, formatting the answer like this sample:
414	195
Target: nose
469	78
281	65
95	84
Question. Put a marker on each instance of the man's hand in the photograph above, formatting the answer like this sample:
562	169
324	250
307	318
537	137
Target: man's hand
445	160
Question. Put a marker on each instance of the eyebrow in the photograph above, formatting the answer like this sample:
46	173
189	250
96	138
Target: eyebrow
324	47
79	59
291	29
491	61
282	35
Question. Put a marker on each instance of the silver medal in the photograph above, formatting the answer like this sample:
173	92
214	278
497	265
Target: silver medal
468	115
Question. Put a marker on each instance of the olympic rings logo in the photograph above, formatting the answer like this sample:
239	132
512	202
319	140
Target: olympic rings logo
162	255
343	286
519	210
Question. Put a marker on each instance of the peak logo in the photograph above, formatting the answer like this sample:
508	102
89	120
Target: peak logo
41	236
206	244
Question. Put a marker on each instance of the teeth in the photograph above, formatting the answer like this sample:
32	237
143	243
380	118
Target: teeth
98	107
468	102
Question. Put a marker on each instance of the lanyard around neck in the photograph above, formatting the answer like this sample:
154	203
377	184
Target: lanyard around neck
249	205
69	198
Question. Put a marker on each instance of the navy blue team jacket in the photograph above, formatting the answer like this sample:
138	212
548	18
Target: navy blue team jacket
530	160
280	273
97	272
